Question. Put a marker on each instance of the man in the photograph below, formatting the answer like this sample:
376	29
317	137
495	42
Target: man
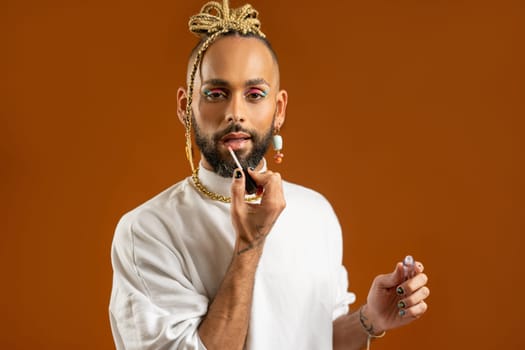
203	265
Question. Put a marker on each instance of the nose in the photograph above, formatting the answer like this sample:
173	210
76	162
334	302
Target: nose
235	112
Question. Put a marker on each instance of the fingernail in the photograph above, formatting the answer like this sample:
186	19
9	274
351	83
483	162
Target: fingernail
400	291
238	174
402	312
252	168
401	304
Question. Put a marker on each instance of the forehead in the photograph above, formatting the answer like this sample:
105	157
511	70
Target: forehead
238	59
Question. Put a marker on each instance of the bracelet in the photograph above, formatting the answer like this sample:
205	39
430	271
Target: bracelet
368	329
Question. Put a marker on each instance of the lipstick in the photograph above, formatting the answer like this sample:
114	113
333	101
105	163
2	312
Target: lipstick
249	183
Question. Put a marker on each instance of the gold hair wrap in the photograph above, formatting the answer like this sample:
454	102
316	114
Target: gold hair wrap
215	18
213	21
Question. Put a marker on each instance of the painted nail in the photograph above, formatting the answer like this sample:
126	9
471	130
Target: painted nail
252	168
238	174
402	312
401	304
400	291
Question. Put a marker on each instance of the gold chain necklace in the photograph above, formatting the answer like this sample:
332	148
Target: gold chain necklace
212	195
205	191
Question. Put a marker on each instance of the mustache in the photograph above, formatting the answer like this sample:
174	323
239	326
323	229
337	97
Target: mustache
232	128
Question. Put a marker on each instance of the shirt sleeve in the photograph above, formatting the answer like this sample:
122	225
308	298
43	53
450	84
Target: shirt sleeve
343	298
156	301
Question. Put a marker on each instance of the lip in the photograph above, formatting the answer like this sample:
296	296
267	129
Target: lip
236	140
235	136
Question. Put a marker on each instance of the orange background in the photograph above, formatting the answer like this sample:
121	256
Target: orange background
407	115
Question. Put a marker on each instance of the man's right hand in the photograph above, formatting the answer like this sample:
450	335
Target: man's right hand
253	222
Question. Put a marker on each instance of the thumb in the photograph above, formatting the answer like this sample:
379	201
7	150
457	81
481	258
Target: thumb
394	278
237	188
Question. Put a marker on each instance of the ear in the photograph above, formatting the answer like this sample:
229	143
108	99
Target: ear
282	101
182	100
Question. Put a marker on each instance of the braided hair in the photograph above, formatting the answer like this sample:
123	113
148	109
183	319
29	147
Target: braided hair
212	22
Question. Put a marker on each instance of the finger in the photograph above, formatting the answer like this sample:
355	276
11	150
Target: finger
237	188
413	284
419	267
272	184
261	178
392	279
414	299
415	311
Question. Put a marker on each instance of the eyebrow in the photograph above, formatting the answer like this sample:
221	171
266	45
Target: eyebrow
222	82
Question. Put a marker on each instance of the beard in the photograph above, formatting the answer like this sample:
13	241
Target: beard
224	165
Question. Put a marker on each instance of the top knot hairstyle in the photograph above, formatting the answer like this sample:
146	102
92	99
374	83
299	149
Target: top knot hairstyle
215	18
213	21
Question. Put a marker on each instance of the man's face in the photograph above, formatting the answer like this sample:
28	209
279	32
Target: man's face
237	103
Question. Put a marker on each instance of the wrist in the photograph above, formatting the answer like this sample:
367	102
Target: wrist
370	323
368	326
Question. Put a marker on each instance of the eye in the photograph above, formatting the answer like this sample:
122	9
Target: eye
215	94
256	94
